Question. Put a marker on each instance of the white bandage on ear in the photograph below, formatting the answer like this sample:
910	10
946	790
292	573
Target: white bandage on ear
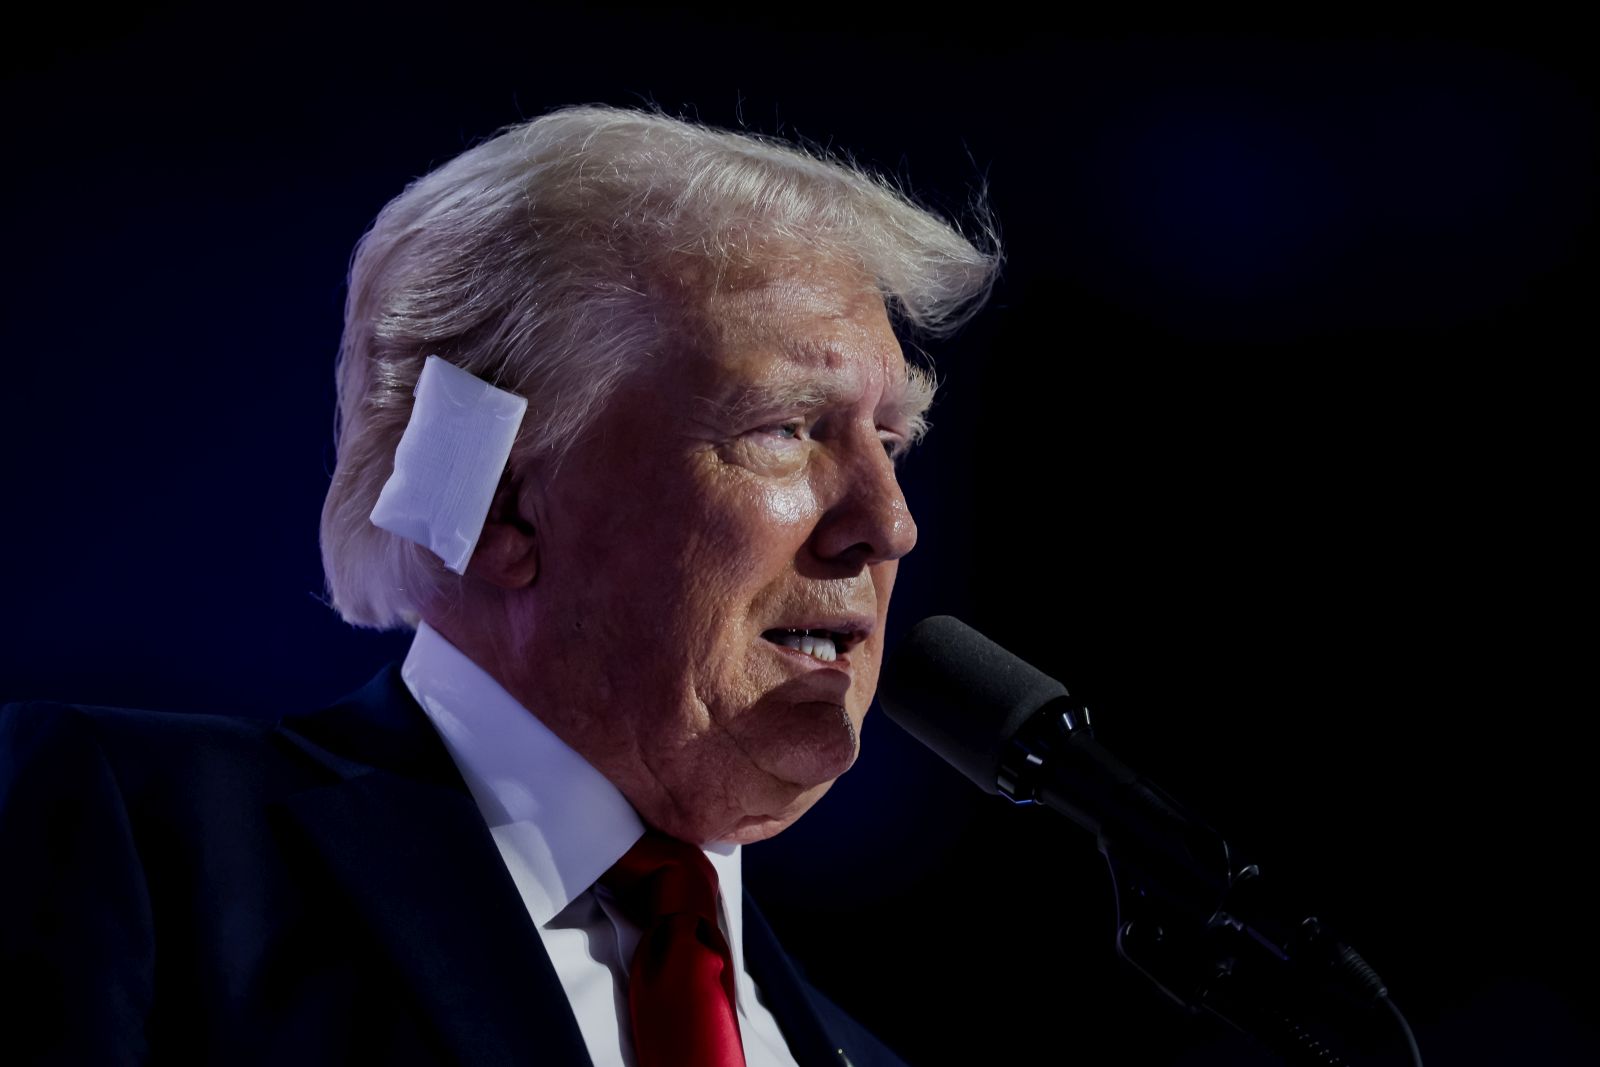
449	462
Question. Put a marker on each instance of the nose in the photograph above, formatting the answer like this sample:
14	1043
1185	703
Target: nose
868	520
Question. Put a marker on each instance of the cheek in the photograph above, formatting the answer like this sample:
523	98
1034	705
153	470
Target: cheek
748	535
790	506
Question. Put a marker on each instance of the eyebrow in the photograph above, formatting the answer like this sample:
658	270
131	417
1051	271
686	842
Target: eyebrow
759	400
921	384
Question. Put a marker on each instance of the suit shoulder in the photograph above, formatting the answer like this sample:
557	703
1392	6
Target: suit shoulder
141	748
35	722
76	949
42	714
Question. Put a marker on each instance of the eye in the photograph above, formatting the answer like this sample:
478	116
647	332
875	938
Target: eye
789	430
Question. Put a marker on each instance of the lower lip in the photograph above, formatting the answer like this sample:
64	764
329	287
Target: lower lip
840	663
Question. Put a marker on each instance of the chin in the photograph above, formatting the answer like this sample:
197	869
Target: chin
753	828
816	743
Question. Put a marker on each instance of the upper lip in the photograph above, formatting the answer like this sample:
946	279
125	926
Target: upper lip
850	630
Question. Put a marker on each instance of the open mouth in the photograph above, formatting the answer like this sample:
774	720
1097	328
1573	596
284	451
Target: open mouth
825	645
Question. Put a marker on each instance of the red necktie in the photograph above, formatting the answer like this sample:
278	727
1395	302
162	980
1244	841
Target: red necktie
680	983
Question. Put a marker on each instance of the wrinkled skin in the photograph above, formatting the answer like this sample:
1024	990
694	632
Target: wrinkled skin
742	485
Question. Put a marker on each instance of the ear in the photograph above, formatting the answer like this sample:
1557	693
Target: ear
507	553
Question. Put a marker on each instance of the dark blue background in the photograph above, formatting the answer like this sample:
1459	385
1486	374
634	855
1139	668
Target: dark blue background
1269	445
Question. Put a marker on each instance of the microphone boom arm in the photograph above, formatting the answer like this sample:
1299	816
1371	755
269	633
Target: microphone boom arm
1191	920
1190	916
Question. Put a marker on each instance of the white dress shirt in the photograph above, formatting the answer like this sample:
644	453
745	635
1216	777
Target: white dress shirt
560	824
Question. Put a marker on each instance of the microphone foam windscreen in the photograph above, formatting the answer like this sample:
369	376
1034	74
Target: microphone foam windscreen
962	695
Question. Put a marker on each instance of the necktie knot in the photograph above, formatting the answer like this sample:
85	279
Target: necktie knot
660	877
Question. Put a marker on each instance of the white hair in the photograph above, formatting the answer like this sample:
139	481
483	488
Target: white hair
556	256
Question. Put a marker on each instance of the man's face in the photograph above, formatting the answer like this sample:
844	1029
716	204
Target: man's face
716	560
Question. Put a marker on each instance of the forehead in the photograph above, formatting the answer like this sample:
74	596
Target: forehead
807	321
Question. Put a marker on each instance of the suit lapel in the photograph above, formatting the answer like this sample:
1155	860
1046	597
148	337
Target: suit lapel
402	837
787	995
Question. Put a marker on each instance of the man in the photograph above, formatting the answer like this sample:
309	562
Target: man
657	642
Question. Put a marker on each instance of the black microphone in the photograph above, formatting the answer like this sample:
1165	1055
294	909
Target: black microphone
1193	920
1016	731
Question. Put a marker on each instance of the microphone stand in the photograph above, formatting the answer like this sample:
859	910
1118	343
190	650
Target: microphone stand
1191	918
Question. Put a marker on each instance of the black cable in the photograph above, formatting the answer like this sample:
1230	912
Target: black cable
1405	1028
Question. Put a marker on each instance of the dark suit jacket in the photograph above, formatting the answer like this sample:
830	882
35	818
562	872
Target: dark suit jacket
189	888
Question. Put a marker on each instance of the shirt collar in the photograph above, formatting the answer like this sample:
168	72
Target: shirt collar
566	822
559	822
725	860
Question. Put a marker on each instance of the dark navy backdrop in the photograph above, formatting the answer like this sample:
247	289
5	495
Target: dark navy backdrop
1269	446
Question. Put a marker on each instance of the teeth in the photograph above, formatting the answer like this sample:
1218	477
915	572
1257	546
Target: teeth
822	648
